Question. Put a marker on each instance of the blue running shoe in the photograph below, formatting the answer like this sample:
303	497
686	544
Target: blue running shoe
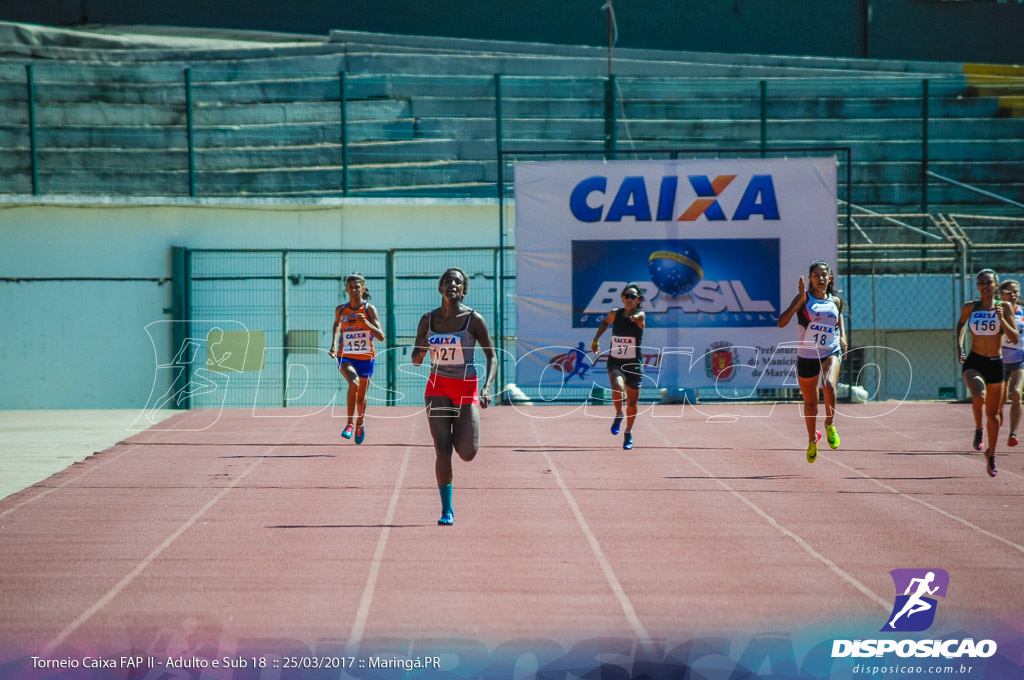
447	519
360	434
627	441
347	432
616	423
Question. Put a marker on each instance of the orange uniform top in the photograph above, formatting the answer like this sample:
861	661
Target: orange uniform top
355	340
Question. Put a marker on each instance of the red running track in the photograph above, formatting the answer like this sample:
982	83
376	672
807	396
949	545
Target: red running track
237	525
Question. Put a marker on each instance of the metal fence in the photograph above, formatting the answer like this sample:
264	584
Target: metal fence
911	274
905	276
277	309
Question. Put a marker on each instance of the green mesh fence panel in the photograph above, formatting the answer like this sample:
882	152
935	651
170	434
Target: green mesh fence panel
290	296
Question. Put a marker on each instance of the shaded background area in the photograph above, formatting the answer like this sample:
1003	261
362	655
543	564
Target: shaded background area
966	30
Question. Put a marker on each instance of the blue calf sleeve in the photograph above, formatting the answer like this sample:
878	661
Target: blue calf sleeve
446	497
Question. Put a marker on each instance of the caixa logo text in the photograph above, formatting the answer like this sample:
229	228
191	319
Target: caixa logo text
589	199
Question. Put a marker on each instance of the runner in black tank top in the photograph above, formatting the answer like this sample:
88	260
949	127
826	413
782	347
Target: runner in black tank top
625	360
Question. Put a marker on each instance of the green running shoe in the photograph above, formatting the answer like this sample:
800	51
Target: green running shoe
831	436
812	448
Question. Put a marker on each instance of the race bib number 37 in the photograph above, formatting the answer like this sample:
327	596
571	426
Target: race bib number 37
623	347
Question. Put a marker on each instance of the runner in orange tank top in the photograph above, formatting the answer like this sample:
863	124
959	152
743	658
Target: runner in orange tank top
356	325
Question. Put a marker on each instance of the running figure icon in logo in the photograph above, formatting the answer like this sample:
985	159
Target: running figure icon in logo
923	582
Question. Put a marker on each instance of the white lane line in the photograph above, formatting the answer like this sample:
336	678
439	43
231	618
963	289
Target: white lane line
141	566
974	460
880	601
363	612
609	574
929	506
94	465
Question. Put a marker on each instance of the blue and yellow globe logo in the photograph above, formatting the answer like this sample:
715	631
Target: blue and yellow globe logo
675	273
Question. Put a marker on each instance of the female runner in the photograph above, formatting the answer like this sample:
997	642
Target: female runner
355	326
983	368
449	334
822	336
1013	359
625	361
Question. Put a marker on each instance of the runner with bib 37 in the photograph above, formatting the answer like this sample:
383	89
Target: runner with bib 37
625	360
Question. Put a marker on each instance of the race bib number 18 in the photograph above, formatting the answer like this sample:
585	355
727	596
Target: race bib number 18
822	335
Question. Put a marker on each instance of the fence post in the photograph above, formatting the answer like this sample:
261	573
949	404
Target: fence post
284	328
499	340
499	284
498	139
30	83
191	134
610	139
343	99
924	145
874	331
764	118
954	279
849	267
181	312
389	344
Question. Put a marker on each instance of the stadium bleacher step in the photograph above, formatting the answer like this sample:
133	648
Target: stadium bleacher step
998	80
420	112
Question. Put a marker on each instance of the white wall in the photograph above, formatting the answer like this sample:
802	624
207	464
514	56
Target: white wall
82	344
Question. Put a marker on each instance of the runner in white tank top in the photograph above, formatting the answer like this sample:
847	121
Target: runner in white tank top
822	346
1013	359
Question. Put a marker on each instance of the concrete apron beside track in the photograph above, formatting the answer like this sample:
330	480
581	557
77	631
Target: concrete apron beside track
35	444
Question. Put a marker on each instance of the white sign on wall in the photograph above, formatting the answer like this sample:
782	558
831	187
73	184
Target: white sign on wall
717	246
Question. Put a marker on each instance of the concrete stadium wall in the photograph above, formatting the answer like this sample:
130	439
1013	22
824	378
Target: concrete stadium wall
92	276
895	29
81	281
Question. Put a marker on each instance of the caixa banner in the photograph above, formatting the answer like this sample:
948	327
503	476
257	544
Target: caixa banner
716	247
